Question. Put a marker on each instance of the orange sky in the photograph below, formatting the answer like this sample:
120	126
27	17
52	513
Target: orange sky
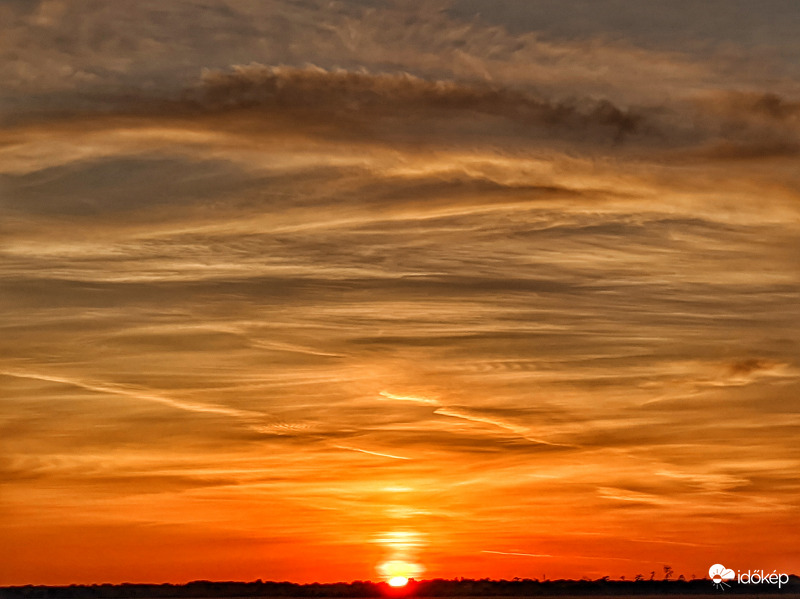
339	291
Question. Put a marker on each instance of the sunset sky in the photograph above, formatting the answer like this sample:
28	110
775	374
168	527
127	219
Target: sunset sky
320	290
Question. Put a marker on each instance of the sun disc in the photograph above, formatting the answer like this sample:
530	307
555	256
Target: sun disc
398	581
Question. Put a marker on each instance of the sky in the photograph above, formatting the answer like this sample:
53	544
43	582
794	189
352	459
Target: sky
319	290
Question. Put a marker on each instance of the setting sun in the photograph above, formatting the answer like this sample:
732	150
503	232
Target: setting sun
398	292
398	581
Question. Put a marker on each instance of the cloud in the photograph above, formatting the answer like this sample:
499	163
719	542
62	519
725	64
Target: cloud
300	107
346	94
751	150
375	453
681	26
134	392
484	416
740	107
114	185
475	416
256	421
517	553
411	398
78	46
741	126
749	366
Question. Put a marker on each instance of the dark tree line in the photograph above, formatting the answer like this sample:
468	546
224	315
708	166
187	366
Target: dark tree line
462	587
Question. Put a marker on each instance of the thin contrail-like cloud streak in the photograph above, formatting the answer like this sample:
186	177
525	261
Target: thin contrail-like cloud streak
513	553
522	431
375	453
251	419
442	410
518	553
135	393
411	398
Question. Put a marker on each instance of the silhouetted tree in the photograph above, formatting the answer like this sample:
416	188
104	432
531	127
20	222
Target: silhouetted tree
459	588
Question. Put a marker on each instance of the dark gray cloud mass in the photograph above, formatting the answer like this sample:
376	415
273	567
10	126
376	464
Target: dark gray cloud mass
339	94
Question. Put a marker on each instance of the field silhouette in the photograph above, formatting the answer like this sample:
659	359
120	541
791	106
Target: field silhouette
425	588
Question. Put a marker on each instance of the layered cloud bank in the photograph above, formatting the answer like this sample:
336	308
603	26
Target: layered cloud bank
382	285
